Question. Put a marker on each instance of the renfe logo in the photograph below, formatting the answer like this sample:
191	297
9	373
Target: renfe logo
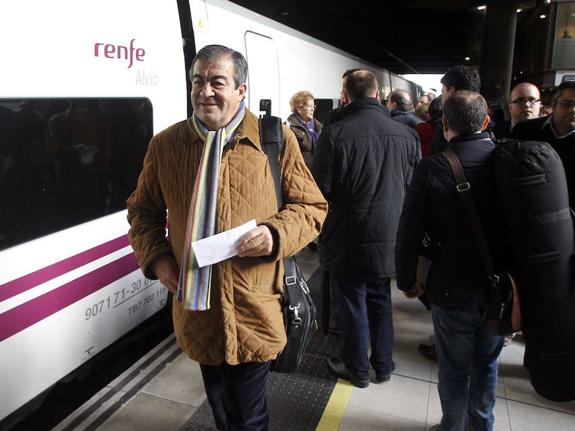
121	52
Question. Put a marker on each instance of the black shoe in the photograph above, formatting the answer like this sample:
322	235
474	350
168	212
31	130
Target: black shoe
428	351
337	367
382	378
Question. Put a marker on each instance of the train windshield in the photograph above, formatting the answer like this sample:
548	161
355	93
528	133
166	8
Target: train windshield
67	161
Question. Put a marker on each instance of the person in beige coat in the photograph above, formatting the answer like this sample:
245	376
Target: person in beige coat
238	329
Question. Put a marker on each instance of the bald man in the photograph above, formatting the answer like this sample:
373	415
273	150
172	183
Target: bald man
524	105
401	108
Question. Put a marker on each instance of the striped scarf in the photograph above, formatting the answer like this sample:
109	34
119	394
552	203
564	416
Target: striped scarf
194	283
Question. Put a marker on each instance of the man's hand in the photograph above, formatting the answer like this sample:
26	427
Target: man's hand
416	291
166	269
257	242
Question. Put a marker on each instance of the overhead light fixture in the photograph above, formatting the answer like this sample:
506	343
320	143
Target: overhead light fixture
467	58
542	16
519	10
482	7
547	1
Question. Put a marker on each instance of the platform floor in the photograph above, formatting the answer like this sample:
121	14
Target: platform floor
164	390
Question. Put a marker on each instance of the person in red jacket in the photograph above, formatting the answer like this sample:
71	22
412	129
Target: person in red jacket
426	130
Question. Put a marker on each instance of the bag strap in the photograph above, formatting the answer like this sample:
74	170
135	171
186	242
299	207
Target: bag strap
464	190
271	138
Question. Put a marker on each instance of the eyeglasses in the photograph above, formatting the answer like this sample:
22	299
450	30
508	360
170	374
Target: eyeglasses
525	100
567	103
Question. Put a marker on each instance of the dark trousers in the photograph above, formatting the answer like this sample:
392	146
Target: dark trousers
237	395
364	314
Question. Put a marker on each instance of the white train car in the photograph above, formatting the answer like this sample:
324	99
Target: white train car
84	86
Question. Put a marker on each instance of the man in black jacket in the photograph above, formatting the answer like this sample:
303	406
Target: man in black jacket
557	129
401	108
335	114
457	282
457	78
362	165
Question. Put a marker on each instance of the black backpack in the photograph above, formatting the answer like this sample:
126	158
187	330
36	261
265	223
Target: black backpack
299	311
533	190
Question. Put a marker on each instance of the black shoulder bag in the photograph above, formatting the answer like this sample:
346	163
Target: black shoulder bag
503	309
298	308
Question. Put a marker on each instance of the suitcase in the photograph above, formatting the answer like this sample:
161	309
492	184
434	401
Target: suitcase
533	190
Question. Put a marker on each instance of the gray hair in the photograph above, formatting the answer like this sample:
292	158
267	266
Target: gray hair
212	53
560	89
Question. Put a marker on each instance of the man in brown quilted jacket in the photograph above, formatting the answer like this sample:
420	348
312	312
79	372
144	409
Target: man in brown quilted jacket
240	330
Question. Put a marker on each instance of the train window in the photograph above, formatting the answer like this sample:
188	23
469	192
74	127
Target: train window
67	161
322	107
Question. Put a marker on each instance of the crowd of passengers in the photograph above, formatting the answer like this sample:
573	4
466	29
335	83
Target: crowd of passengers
358	185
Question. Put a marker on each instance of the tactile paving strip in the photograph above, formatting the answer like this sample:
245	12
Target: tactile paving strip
297	400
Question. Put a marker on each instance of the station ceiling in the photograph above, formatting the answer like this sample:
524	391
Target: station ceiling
408	36
404	36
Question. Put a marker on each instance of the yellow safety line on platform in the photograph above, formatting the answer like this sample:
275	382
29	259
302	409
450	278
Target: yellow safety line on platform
335	409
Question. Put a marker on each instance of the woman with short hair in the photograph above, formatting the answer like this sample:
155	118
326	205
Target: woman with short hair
305	127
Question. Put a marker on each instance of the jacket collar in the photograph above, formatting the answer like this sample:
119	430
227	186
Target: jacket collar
397	112
549	122
471	137
249	130
363	103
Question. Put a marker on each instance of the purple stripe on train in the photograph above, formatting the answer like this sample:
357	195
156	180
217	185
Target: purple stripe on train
28	281
25	315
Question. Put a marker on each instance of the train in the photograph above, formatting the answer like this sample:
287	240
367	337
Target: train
85	84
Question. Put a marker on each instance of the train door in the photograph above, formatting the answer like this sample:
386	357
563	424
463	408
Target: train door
263	74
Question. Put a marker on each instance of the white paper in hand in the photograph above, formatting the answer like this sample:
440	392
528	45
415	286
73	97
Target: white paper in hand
221	246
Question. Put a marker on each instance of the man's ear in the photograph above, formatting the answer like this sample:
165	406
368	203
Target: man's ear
444	124
344	97
485	123
242	91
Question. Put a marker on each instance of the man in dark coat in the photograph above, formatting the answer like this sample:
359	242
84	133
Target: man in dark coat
401	108
363	165
457	78
335	114
457	283
558	129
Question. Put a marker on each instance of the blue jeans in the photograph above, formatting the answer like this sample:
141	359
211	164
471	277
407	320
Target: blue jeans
467	352
364	313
